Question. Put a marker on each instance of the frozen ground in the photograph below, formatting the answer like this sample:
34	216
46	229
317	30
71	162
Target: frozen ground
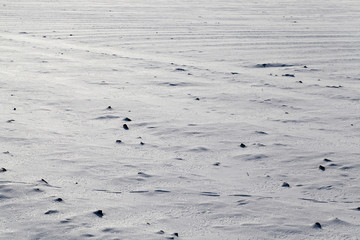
191	77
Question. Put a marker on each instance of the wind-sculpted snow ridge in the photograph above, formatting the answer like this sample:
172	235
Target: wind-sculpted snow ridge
179	120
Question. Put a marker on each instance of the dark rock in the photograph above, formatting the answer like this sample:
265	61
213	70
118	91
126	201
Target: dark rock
58	200
217	164
118	141
242	145
300	82
261	132
266	65
305	67
43	180
109	107
127	119
334	86
141	143
176	234
160	232
197	99
322	168
99	213
317	225
14	109
285	184
161	191
327	160
180	69
125	127
51	212
288	75
234	73
3	170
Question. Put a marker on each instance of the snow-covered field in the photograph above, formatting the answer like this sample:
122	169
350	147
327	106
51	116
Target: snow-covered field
228	102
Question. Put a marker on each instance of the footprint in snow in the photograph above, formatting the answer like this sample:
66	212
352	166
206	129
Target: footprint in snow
88	235
111	230
242	202
66	220
144	174
37	190
107	117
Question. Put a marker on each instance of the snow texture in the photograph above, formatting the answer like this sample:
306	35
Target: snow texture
163	119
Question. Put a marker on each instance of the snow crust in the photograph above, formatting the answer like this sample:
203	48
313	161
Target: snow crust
228	101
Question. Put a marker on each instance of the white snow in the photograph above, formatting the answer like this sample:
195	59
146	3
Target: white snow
197	79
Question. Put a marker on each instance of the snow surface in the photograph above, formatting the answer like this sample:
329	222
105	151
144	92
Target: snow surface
197	79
